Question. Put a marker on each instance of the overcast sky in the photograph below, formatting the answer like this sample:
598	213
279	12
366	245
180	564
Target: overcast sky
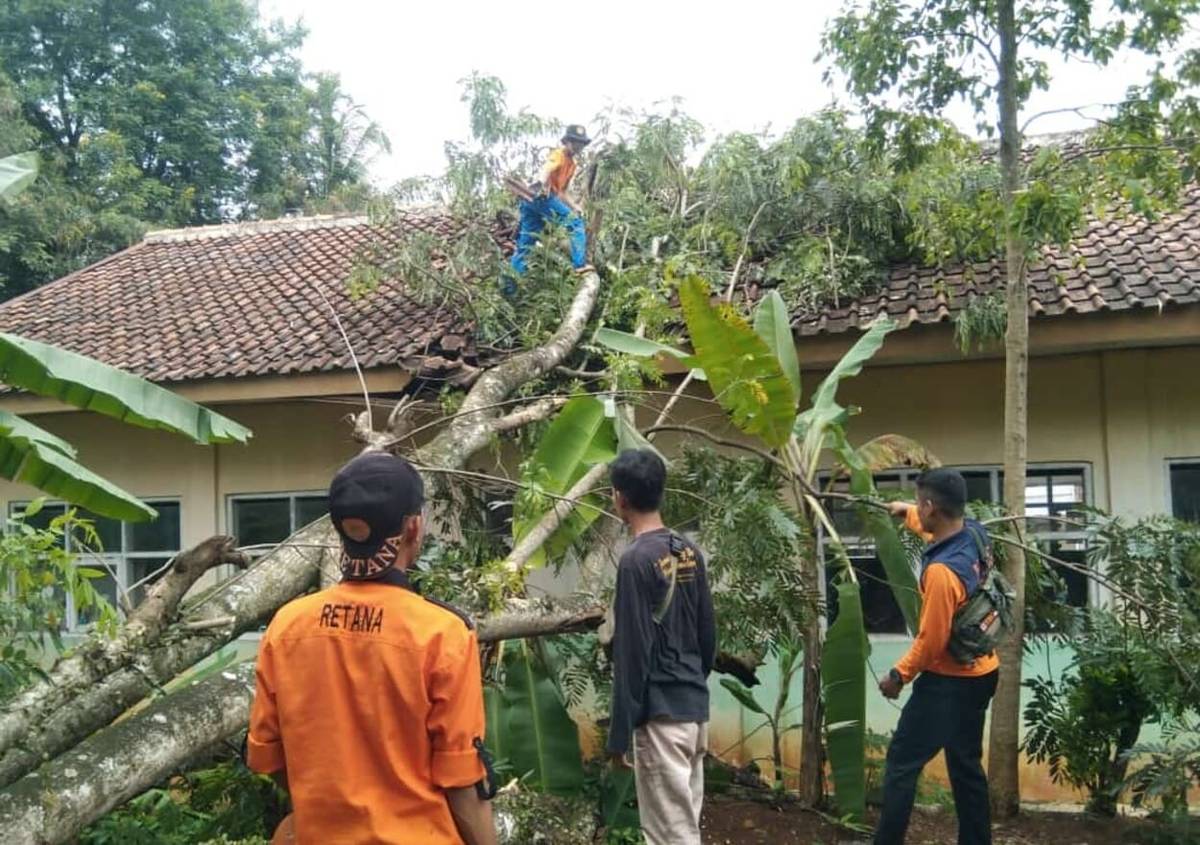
746	64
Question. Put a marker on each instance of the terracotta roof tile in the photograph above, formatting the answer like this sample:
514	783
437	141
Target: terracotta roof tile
1115	265
243	300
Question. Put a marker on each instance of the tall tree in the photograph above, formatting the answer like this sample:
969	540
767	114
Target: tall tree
164	113
993	54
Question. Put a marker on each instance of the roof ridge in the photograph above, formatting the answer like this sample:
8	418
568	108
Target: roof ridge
255	227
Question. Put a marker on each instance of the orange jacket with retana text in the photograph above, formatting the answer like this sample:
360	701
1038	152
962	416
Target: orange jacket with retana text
370	697
942	593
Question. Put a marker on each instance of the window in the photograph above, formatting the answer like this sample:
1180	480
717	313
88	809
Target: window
130	551
267	520
1049	491
1183	478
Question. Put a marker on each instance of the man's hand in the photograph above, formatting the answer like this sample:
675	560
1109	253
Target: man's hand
899	508
618	761
891	684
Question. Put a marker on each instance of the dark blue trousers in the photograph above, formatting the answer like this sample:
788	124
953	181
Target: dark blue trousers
943	713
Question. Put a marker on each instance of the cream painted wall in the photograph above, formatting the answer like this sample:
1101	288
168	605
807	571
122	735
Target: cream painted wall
297	446
1123	412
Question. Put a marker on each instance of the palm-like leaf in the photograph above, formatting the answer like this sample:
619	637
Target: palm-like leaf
579	437
890	451
640	347
528	723
17	173
745	375
88	384
844	684
774	326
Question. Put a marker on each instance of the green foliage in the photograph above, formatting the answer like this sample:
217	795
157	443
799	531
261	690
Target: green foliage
982	321
40	574
843	683
167	113
1085	723
1168	770
580	436
744	373
528	724
773	323
790	651
36	457
750	535
907	61
224	804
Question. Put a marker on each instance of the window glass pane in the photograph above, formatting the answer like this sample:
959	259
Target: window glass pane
139	568
310	508
161	535
257	521
979	486
881	613
1185	491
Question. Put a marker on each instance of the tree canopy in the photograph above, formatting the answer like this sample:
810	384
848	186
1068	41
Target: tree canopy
167	113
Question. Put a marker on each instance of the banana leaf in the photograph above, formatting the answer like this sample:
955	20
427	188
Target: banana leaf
745	375
88	384
618	800
843	680
29	455
773	324
825	410
528	723
628	436
743	695
882	529
579	437
641	347
17	173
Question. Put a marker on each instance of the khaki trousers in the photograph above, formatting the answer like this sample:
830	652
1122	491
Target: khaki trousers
668	761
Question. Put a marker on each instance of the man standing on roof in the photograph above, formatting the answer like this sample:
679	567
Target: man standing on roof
664	645
949	699
369	705
550	203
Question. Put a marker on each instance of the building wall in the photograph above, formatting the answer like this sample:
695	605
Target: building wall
1123	413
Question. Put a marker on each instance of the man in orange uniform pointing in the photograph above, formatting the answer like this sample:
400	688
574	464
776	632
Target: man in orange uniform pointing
949	700
369	706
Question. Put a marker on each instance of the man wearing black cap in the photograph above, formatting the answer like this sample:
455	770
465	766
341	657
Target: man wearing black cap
552	204
369	704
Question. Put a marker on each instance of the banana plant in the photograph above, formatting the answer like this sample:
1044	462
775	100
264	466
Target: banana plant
580	436
528	726
34	456
754	374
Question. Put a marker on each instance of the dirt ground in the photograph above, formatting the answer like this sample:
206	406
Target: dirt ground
732	822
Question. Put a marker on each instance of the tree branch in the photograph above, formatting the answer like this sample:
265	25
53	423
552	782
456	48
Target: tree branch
535	412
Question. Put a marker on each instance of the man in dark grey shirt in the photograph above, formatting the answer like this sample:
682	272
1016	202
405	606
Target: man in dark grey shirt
664	644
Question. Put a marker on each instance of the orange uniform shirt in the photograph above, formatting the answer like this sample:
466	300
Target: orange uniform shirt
942	593
560	167
370	697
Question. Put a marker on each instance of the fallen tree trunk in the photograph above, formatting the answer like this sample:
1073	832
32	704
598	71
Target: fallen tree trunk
38	733
57	801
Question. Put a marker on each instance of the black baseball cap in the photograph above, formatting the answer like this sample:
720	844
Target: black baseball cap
369	499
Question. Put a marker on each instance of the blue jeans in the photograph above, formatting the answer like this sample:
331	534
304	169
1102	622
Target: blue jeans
534	216
943	712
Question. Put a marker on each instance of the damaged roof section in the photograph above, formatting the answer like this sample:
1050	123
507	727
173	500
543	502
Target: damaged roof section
1118	264
249	300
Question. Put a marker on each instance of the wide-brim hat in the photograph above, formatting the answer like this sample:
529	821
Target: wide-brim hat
576	133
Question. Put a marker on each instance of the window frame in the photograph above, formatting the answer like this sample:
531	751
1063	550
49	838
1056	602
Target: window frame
1096	594
292	496
116	564
1168	495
